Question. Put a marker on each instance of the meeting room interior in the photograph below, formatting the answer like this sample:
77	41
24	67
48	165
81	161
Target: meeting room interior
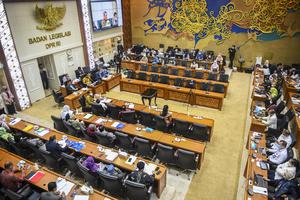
149	99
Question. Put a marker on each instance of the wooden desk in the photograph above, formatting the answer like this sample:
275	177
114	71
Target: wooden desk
251	167
155	136
112	82
98	89
191	96
288	87
72	100
197	81
63	89
91	149
256	124
49	176
175	115
131	64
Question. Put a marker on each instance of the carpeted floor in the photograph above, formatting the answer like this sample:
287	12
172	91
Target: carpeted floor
219	175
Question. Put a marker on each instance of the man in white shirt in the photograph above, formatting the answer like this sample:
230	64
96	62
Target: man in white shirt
270	120
285	136
279	156
286	170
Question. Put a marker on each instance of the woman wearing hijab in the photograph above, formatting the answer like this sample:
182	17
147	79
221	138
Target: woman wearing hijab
215	67
92	166
66	113
8	99
167	116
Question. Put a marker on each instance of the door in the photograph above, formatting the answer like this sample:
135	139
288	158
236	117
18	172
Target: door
33	80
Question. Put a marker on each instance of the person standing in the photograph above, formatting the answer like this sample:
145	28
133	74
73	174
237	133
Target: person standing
118	60
231	52
2	106
8	99
44	77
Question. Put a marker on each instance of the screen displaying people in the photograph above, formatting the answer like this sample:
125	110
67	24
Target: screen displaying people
106	14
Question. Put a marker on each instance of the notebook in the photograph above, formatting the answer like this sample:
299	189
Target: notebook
28	128
87	116
36	177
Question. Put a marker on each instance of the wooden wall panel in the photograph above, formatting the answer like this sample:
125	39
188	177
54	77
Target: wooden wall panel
127	34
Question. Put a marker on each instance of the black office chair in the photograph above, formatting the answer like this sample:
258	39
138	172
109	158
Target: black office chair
4	144
58	97
131	74
164	70
289	114
37	155
145	118
218	88
113	111
160	123
83	104
137	191
281	124
198	132
51	161
174	71
24	193
154	68
124	141
190	84
179	82
187	73
187	161
198	75
180	127
71	164
144	68
224	78
279	108
204	86
165	154
164	79
58	124
98	110
104	140
88	176
20	150
142	76
143	147
212	77
154	78
129	117
111	184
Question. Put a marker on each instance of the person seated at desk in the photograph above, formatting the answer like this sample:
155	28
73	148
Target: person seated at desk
186	56
90	163
79	72
270	120
54	148
70	87
104	73
76	123
194	65
177	49
144	58
167	116
279	156
89	99
9	179
200	55
172	61
294	75
66	113
113	171
215	67
124	109
65	79
87	80
219	58
272	95
52	193
155	60
3	122
285	136
285	171
6	135
139	176
93	130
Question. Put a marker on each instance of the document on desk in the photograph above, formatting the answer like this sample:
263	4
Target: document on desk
131	106
42	133
87	116
150	168
15	121
64	186
100	121
260	190
81	197
110	155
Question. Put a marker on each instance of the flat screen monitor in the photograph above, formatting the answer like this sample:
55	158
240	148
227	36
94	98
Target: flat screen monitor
106	14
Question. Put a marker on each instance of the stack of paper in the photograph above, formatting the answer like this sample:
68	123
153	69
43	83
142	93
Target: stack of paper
81	197
118	125
110	155
64	186
100	121
43	132
260	190
87	116
150	168
131	106
15	121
